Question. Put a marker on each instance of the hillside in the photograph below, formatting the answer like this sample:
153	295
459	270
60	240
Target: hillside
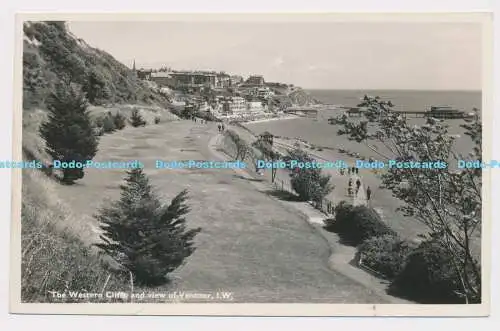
51	54
295	96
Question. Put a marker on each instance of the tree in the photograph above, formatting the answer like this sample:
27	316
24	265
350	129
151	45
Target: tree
446	200
309	183
95	87
68	131
136	119
146	238
265	145
242	148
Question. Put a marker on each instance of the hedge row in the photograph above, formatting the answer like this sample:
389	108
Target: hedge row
422	273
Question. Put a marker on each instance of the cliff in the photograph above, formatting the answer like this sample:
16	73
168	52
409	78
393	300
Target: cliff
52	54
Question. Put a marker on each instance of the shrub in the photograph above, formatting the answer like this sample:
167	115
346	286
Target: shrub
356	224
309	183
136	119
108	125
385	254
429	276
145	237
157	119
119	121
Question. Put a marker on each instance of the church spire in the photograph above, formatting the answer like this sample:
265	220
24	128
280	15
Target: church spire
133	67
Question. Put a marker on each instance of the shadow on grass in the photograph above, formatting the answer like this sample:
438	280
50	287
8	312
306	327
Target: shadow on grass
284	195
249	179
331	226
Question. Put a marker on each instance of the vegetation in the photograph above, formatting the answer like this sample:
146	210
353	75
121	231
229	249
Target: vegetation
119	120
136	119
52	259
51	55
147	239
429	275
309	183
356	224
448	202
265	146
243	149
68	131
157	119
385	254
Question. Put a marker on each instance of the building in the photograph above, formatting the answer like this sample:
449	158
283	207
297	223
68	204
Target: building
255	81
255	107
235	80
263	92
194	79
223	80
234	106
162	79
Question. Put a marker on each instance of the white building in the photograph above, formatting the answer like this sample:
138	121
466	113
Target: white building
235	105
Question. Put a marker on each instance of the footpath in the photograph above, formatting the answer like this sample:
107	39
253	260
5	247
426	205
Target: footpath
342	257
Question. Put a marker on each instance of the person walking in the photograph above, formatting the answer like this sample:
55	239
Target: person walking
218	126
368	193
358	184
349	188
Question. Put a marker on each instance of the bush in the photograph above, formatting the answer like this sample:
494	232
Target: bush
428	276
108	125
119	121
136	119
309	184
157	119
385	254
356	224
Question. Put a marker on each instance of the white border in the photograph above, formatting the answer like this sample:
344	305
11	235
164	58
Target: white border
290	6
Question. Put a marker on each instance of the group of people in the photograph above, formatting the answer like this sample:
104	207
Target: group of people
221	127
195	119
350	171
358	185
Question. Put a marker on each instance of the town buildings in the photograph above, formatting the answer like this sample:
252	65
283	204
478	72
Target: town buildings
255	81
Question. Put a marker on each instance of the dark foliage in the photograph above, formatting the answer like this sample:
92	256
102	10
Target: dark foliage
51	55
68	132
157	119
385	254
147	239
356	224
119	120
136	119
309	183
429	276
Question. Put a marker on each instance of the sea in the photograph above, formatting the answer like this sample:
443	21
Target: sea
319	132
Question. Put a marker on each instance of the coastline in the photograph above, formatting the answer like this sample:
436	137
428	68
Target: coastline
263	120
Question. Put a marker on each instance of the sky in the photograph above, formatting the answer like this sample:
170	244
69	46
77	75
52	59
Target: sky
314	55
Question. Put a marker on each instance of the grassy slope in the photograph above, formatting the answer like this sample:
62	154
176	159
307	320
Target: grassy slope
250	245
55	239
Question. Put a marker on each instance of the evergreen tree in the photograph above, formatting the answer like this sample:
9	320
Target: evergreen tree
146	238
136	119
68	132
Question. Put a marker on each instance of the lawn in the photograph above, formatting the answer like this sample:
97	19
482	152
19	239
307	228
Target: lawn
251	245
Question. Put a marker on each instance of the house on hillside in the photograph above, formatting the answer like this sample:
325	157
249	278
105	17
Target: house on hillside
255	81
